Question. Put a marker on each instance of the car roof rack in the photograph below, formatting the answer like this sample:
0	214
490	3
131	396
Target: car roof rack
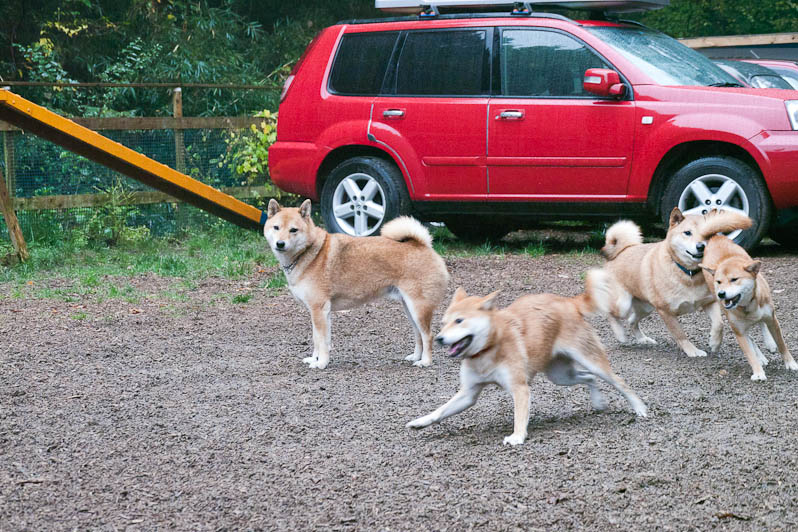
431	8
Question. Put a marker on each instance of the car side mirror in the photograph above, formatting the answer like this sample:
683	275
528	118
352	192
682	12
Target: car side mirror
604	82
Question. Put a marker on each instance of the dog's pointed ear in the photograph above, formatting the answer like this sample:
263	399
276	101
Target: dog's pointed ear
707	269
489	301
273	208
676	217
459	295
304	209
753	267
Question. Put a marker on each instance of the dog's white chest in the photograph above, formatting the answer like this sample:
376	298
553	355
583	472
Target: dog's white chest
690	299
300	291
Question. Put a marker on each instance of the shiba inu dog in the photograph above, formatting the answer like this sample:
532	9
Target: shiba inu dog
665	276
537	333
329	272
734	277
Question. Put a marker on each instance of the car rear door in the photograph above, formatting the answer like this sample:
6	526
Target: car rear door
548	138
432	114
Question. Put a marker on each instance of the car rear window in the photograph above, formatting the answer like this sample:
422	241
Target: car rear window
361	61
443	63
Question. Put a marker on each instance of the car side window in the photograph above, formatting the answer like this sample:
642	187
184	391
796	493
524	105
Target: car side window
361	62
539	63
443	63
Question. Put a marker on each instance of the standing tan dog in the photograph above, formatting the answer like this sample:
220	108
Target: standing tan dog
665	276
329	272
735	278
508	347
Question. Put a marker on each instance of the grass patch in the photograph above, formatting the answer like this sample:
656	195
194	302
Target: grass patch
221	250
242	298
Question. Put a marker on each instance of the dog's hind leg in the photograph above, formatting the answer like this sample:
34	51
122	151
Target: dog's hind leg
775	331
563	371
420	313
599	365
419	349
639	310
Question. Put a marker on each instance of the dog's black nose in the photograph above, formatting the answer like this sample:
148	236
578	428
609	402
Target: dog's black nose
700	246
439	340
280	244
722	295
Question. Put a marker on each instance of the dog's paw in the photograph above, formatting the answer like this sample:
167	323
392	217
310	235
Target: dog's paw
791	365
422	363
763	360
514	439
309	360
759	377
319	364
696	352
645	340
770	345
640	408
419	423
413	358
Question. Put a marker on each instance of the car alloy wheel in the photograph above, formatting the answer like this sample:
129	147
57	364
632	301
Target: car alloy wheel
714	191
358	204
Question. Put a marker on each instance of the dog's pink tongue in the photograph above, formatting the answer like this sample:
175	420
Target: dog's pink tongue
453	348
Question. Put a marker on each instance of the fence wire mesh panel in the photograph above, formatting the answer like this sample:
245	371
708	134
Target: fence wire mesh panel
37	169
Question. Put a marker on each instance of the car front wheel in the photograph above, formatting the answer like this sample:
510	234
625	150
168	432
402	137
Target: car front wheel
361	194
723	183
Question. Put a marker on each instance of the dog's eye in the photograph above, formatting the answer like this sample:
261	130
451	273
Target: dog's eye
717	282
276	227
733	279
293	230
688	233
459	320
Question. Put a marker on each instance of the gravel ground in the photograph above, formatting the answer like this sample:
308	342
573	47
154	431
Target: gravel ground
197	413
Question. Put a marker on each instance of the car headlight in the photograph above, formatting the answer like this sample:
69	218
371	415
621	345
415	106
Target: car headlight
792	112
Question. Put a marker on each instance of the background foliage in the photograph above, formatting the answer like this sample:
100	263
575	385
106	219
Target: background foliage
237	42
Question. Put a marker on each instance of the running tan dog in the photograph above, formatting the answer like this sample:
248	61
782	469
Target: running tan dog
665	275
329	272
508	347
735	278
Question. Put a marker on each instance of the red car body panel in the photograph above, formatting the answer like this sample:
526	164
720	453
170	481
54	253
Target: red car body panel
586	150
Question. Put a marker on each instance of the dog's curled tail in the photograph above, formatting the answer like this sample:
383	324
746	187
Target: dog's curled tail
723	222
407	228
598	293
620	236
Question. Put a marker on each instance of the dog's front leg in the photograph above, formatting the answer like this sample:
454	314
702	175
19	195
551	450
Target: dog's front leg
672	323
775	331
320	319
716	327
520	393
463	399
749	350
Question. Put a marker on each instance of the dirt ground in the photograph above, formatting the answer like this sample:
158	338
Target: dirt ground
199	414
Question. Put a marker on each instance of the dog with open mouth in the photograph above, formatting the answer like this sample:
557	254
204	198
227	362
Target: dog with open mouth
736	280
665	276
537	333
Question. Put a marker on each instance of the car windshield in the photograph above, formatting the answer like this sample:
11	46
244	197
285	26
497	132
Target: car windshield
664	59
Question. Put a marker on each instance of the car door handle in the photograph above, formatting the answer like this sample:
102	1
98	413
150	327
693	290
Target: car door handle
510	114
393	113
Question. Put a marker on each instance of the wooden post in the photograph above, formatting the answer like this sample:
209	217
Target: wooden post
6	205
177	112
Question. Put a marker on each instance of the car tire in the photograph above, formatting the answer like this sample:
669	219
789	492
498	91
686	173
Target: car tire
726	183
361	194
477	229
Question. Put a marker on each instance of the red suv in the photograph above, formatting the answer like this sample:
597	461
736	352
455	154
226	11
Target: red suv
489	121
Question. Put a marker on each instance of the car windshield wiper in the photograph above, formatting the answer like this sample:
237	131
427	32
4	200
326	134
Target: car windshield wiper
725	84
